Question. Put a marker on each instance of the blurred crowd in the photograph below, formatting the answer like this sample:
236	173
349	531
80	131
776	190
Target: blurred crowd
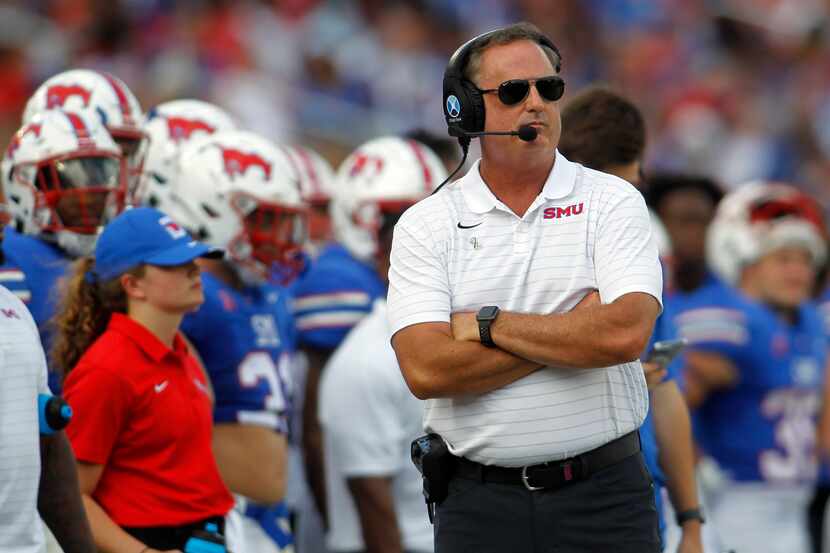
735	89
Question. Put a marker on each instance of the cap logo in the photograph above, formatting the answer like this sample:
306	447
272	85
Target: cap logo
237	163
56	95
453	106
180	128
172	227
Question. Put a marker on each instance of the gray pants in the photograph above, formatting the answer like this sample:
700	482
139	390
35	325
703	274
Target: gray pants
611	512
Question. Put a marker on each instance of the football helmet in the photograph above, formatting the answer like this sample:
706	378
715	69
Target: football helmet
316	186
238	191
64	178
383	176
170	126
109	97
758	218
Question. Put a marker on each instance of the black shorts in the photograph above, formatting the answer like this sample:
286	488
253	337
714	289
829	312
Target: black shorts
171	537
612	511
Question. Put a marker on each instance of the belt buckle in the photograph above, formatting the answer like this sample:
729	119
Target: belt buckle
527	483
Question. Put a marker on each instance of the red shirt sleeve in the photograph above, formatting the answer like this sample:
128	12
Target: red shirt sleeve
100	401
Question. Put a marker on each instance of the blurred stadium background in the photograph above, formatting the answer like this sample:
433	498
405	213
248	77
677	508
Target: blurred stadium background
736	89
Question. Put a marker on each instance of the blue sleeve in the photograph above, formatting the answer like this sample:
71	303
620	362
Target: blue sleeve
328	302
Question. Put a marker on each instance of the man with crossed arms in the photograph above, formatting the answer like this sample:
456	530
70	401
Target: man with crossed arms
539	400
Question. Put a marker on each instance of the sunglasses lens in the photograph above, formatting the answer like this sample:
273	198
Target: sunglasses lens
513	92
551	89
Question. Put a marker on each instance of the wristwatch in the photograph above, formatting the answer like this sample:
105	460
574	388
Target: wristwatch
485	317
690	514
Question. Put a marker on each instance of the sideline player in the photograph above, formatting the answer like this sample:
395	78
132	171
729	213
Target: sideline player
340	286
237	191
756	404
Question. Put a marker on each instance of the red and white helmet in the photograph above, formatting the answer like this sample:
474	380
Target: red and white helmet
64	178
761	217
170	127
109	97
238	191
316	186
383	176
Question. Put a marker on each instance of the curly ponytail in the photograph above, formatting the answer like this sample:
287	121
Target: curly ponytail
84	313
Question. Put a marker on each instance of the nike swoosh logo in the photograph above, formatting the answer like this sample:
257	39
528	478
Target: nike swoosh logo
160	387
468	226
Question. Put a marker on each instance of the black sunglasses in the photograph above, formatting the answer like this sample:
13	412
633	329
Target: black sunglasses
514	91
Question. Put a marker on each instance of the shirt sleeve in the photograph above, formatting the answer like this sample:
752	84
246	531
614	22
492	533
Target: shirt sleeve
100	402
625	254
419	290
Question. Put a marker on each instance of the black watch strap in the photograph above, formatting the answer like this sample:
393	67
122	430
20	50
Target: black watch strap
484	333
690	514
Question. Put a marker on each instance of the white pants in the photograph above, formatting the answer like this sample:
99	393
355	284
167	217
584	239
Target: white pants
245	535
757	517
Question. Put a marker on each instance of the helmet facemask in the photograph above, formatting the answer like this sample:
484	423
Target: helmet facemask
270	242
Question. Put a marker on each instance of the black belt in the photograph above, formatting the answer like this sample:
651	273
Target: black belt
554	474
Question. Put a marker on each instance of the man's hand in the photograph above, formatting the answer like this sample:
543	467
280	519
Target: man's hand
655	373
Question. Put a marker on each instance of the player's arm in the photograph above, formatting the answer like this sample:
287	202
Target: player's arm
376	508
707	372
823	427
596	336
109	537
312	432
673	432
58	502
252	460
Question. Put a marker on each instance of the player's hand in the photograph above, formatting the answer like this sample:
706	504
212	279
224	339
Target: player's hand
465	327
655	373
163	551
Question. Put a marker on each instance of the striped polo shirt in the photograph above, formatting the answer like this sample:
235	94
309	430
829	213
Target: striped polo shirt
462	249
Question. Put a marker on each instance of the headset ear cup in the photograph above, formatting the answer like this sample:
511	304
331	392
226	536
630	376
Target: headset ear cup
473	121
457	105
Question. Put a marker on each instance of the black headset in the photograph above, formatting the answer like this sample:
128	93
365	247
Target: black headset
463	102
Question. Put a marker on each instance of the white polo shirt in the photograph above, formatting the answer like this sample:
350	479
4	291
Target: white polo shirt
369	419
462	249
23	367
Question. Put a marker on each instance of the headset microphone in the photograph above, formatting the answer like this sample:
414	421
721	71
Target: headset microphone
526	133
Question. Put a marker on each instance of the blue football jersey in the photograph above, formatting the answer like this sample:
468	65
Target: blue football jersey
663	330
245	339
824	309
763	428
43	265
332	296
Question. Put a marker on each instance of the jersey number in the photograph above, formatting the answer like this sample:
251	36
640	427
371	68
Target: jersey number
258	366
794	434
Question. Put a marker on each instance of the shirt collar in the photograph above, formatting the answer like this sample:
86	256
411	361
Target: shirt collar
148	342
480	199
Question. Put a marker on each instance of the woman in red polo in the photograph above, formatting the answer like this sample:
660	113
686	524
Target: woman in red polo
141	429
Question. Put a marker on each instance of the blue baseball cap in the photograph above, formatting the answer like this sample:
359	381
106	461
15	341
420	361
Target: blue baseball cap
144	235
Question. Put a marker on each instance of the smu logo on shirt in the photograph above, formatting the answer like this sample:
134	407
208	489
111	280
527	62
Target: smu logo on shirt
559	212
266	332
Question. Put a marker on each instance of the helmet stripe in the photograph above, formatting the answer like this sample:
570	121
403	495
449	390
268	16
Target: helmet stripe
79	127
123	103
312	173
419	155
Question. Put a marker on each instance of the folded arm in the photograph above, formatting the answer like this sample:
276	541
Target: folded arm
593	336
